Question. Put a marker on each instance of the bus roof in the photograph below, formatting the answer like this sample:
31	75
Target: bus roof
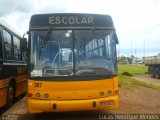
9	27
71	20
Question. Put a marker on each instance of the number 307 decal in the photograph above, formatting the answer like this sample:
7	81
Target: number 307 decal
37	84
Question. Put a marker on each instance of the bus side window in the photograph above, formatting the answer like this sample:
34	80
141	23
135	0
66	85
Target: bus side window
108	46
7	45
17	53
0	45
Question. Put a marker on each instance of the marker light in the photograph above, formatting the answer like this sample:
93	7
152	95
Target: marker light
30	84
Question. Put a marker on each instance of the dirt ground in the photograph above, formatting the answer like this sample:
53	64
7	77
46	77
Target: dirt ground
140	100
148	79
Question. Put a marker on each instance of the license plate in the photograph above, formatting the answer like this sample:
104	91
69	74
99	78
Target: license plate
106	103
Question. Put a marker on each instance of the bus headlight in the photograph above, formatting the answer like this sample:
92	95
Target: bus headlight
101	93
46	95
109	92
37	94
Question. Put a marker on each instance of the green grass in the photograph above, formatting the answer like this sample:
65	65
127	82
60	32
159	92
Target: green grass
124	83
132	69
127	86
130	83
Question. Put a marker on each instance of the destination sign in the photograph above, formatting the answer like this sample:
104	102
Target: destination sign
70	20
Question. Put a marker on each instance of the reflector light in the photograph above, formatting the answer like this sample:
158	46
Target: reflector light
116	92
30	94
1	93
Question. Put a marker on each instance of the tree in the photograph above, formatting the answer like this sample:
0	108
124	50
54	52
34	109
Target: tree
129	60
122	60
132	58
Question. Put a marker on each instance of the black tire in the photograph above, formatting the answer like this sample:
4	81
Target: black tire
157	72
10	96
152	72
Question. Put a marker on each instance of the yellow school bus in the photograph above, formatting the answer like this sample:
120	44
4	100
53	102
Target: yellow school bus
13	65
72	63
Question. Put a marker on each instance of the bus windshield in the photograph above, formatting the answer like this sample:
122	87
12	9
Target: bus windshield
72	53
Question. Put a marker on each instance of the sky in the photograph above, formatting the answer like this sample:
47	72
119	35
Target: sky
137	22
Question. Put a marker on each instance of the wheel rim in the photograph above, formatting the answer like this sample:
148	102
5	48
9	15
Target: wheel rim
157	73
152	72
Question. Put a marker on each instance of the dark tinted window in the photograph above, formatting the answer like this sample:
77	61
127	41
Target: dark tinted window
0	45
7	38
16	45
7	45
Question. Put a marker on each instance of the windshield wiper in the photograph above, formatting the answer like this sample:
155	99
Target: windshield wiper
44	42
91	33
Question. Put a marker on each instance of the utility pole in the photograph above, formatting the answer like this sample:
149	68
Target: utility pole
135	57
144	49
119	51
131	47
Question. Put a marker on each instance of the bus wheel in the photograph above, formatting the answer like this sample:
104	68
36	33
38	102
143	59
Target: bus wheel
152	72
157	72
10	96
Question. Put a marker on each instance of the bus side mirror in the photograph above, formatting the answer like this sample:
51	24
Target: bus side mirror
116	38
23	45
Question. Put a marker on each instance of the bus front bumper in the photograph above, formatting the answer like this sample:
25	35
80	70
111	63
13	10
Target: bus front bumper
107	103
